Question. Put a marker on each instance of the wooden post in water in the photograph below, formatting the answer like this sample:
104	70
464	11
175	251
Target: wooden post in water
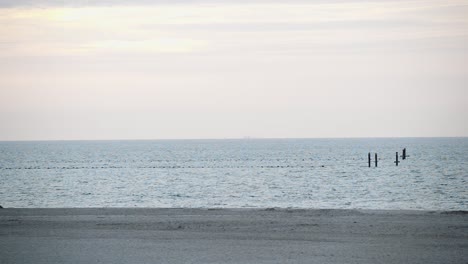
368	158
396	161
404	154
375	159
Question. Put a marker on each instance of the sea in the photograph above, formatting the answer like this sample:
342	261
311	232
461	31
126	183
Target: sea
237	173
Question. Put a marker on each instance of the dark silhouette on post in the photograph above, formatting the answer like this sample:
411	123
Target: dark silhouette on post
369	159
404	154
396	161
375	159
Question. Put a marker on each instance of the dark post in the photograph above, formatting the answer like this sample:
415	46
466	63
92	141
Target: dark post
368	157
404	153
376	159
396	161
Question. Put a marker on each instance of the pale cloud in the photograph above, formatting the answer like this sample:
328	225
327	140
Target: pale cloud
191	27
160	45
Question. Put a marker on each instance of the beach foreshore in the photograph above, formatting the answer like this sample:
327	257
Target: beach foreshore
156	235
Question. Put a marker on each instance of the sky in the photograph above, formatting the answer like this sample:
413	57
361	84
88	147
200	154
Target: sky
81	70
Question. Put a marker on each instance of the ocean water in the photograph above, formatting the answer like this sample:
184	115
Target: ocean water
287	173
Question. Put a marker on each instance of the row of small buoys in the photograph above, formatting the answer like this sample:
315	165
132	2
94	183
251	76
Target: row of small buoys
179	160
59	168
403	157
162	167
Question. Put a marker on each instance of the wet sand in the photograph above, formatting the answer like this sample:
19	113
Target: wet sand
231	236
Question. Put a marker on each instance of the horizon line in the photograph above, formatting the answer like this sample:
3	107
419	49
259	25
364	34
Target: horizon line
227	138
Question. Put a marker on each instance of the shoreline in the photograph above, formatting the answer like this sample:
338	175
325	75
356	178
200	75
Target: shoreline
78	210
234	235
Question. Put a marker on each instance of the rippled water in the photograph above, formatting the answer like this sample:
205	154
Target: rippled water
299	173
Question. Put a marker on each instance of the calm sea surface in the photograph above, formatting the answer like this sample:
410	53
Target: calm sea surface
298	173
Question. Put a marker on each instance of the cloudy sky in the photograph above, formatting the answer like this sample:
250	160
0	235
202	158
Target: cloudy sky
231	69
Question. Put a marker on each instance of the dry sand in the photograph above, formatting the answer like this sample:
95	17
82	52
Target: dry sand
231	236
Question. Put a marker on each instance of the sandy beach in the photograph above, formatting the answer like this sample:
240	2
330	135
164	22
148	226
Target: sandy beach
231	236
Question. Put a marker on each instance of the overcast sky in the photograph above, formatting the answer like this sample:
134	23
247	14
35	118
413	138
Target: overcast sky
231	69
